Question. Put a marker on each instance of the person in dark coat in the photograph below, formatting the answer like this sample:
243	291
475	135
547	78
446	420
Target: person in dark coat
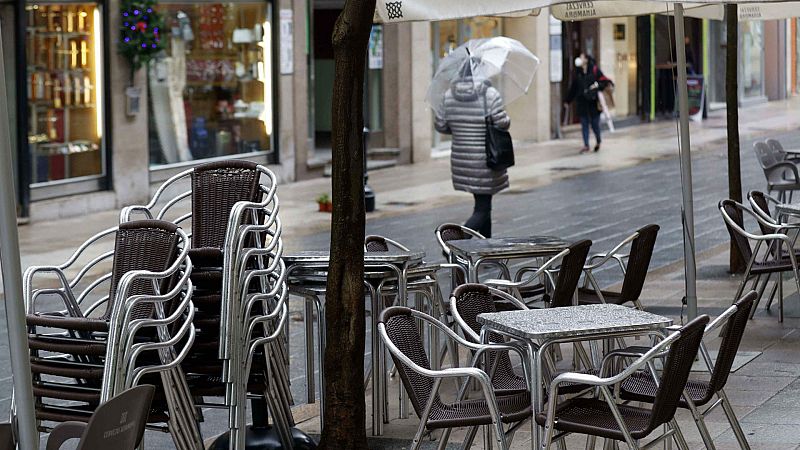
466	106
584	91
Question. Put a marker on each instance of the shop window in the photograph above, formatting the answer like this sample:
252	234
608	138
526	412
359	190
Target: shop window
752	54
210	92
64	91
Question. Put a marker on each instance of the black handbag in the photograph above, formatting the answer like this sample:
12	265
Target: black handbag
499	147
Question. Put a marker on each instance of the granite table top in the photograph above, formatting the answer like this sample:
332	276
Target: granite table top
324	257
573	321
508	247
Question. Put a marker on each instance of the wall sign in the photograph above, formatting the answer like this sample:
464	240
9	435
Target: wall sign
287	42
376	47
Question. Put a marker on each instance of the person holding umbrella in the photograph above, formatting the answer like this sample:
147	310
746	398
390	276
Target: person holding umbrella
469	94
466	106
584	91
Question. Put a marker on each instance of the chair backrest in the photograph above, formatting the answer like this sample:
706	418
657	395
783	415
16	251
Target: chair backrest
775	146
216	188
401	328
766	155
119	423
470	301
734	212
376	244
731	338
639	262
677	366
570	273
759	200
150	245
447	232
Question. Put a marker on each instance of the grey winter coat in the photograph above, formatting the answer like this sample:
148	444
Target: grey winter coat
464	118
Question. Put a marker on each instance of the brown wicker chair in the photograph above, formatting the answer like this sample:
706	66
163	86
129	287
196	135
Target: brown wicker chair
117	424
467	302
398	331
634	268
232	206
568	266
605	418
78	361
447	232
642	387
470	300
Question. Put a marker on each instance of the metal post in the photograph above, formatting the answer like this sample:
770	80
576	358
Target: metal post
686	167
369	194
12	283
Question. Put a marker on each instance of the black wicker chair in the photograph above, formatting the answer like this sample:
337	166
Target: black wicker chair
399	332
603	417
642	387
634	266
760	264
567	267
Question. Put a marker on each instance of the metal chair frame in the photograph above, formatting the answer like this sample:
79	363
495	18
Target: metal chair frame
473	373
781	175
776	238
251	259
598	260
121	362
603	385
722	398
500	265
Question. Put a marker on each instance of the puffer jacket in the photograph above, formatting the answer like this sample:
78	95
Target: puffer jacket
464	118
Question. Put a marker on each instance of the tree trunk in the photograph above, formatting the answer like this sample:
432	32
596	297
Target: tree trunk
737	265
344	411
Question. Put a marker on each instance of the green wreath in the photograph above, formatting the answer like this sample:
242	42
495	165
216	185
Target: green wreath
140	31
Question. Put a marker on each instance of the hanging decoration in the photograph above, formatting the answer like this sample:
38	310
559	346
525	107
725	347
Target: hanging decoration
140	32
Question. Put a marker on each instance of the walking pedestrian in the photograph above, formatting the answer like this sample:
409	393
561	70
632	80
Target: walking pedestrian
466	105
584	91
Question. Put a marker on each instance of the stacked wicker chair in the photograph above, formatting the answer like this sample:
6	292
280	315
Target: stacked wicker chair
100	333
241	290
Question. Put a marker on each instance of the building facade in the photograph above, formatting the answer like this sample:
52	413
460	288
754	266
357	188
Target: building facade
252	79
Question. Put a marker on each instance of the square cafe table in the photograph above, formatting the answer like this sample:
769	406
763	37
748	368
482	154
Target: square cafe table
477	251
393	263
540	328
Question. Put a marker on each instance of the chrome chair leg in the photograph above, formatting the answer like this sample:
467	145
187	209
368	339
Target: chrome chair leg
733	421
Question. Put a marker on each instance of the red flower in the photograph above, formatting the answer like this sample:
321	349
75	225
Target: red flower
141	26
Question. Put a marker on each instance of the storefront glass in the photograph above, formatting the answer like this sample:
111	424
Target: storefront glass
752	54
64	91
210	93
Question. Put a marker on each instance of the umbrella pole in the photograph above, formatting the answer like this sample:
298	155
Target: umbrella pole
686	167
12	282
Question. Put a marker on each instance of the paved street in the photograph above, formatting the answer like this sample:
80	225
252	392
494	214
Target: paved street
578	198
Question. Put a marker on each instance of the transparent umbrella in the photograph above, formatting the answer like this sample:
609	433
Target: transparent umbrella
503	62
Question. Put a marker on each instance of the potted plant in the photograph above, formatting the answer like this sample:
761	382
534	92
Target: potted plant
324	203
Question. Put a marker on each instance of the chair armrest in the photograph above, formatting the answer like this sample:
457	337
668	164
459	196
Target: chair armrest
65	292
64	432
783	166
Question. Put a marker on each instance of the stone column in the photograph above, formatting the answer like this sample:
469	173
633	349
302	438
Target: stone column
128	143
530	115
